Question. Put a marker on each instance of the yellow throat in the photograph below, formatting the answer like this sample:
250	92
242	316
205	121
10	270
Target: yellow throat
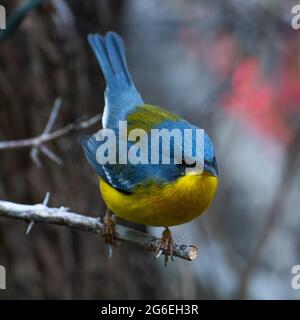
163	205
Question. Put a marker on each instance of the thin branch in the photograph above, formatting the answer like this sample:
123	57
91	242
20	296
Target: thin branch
27	143
32	223
54	113
34	154
51	155
41	213
37	143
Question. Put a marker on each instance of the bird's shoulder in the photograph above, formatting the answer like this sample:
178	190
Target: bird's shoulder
147	117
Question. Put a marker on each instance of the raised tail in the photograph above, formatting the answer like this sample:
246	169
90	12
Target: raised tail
110	53
121	94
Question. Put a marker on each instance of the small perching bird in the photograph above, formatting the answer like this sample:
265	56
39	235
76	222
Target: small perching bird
154	194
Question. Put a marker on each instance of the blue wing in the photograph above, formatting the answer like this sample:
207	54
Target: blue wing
121	95
125	177
114	175
122	98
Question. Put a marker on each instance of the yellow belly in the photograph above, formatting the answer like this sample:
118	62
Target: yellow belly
166	205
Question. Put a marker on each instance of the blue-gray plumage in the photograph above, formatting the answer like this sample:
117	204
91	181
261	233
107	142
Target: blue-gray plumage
148	192
121	95
123	102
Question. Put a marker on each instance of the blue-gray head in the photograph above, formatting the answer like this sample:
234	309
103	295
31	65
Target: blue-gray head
197	148
209	161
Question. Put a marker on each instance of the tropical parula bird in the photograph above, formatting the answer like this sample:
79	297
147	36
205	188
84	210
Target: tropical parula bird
156	194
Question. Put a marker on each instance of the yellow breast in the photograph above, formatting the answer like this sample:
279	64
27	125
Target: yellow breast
167	205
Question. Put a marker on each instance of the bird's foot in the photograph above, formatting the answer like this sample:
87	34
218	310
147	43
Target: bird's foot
165	246
109	232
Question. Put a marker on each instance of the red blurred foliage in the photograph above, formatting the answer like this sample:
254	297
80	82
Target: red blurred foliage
222	54
267	102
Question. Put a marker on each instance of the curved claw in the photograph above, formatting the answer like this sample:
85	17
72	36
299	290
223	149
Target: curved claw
165	246
109	232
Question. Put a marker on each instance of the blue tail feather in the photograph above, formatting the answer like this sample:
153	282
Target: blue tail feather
110	53
116	52
121	95
98	45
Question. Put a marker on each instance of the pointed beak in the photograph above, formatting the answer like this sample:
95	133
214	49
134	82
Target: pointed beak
212	169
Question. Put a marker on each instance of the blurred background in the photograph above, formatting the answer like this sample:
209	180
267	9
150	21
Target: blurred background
231	67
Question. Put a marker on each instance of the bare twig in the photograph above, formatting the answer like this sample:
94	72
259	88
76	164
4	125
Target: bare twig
25	143
29	228
34	154
45	203
51	155
55	110
41	213
37	143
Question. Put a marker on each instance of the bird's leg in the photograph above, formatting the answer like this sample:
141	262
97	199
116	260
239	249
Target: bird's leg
166	245
109	232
